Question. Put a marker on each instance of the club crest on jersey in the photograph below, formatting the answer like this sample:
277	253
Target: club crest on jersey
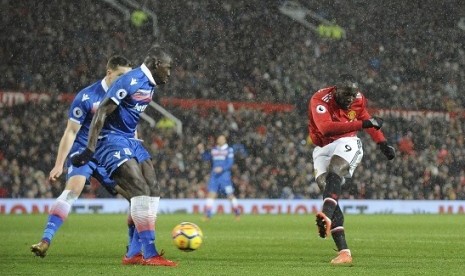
352	114
77	112
120	94
320	108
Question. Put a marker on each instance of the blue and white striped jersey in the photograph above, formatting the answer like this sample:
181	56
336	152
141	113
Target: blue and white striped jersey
220	157
132	92
83	108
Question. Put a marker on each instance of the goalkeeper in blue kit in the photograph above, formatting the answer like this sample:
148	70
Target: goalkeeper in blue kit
222	159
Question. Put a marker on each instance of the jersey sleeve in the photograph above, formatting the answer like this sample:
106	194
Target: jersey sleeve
325	124
376	135
79	109
120	89
206	156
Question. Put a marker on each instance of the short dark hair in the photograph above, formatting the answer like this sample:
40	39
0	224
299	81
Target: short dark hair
347	81
156	53
117	60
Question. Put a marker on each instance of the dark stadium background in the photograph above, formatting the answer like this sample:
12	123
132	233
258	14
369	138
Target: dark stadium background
407	55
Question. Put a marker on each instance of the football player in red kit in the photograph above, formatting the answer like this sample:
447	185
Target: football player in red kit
336	114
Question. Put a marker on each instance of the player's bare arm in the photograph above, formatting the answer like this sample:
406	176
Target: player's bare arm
66	143
105	108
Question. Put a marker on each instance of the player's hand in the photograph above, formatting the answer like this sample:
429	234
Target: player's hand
55	173
374	122
387	150
218	169
82	158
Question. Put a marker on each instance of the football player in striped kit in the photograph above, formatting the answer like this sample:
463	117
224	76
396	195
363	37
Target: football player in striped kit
73	141
222	160
112	143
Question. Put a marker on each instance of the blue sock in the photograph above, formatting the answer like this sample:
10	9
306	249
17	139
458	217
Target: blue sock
148	243
131	230
135	246
208	213
53	224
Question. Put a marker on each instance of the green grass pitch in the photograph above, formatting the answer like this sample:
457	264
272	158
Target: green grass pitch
255	245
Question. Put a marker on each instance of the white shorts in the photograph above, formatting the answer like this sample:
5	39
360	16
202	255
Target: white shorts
349	148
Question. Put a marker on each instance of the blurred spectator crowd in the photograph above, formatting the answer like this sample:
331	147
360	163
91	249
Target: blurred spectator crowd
272	155
245	51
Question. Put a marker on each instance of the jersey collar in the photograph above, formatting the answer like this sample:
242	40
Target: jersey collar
104	85
146	71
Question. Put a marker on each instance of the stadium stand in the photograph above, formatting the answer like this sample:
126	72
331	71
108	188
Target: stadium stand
245	51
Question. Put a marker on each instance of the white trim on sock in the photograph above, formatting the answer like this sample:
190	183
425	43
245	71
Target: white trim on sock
346	250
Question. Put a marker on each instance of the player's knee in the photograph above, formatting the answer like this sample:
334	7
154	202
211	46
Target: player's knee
338	166
154	188
321	181
333	185
69	196
140	188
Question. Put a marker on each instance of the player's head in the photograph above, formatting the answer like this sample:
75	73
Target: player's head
346	91
116	66
221	140
159	64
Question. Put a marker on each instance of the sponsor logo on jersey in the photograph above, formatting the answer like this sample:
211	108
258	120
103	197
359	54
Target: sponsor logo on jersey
140	108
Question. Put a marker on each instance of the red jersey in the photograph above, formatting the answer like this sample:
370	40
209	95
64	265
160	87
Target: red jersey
327	122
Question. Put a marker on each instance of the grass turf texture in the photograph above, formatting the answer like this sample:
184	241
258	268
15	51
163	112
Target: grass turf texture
255	245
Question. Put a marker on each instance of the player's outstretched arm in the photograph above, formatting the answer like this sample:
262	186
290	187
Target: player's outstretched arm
106	107
66	142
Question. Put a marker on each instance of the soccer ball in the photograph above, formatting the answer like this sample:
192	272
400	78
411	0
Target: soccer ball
187	236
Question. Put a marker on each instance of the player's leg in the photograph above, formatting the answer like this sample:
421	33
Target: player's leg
134	246
344	155
127	172
209	203
148	171
130	177
213	187
59	212
338	234
321	158
229	191
337	168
